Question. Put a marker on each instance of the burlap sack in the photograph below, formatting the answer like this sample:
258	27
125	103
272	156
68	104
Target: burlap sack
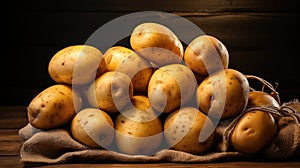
58	146
286	144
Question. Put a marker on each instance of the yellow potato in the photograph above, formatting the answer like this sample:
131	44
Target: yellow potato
170	86
156	43
125	60
76	64
259	98
138	129
206	53
182	129
93	127
54	107
110	92
253	132
224	92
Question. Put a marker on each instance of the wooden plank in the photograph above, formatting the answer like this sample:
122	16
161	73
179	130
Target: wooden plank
10	162
10	147
13	117
257	42
7	110
178	165
141	5
9	135
10	142
60	29
13	123
14	161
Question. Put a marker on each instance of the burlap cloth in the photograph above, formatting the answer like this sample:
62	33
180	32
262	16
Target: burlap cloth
58	146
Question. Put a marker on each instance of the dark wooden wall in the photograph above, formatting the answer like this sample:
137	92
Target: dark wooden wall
257	33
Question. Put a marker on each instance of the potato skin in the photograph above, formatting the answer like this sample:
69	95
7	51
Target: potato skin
182	129
259	98
138	129
76	64
125	60
205	53
110	92
253	132
53	107
164	89
237	93
93	127
156	43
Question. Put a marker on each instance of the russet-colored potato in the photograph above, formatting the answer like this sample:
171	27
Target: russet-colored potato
254	130
75	65
54	107
156	43
93	127
110	92
182	129
171	86
125	60
227	91
138	128
206	54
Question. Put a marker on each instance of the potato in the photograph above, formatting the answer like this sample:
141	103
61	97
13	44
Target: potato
156	43
54	107
110	92
182	129
224	93
260	98
93	127
206	54
76	64
171	86
125	60
254	131
138	129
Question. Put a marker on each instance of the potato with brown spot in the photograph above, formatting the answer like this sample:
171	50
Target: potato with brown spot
182	129
76	64
93	127
254	131
260	98
138	128
171	86
156	43
206	54
125	60
110	92
53	107
224	92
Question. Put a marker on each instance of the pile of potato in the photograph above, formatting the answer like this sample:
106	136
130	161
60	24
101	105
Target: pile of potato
157	94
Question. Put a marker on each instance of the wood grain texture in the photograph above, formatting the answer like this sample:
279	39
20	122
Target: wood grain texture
9	135
258	43
181	165
12	117
9	148
140	5
10	142
10	162
258	35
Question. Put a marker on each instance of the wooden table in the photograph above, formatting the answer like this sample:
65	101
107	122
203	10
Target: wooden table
12	118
